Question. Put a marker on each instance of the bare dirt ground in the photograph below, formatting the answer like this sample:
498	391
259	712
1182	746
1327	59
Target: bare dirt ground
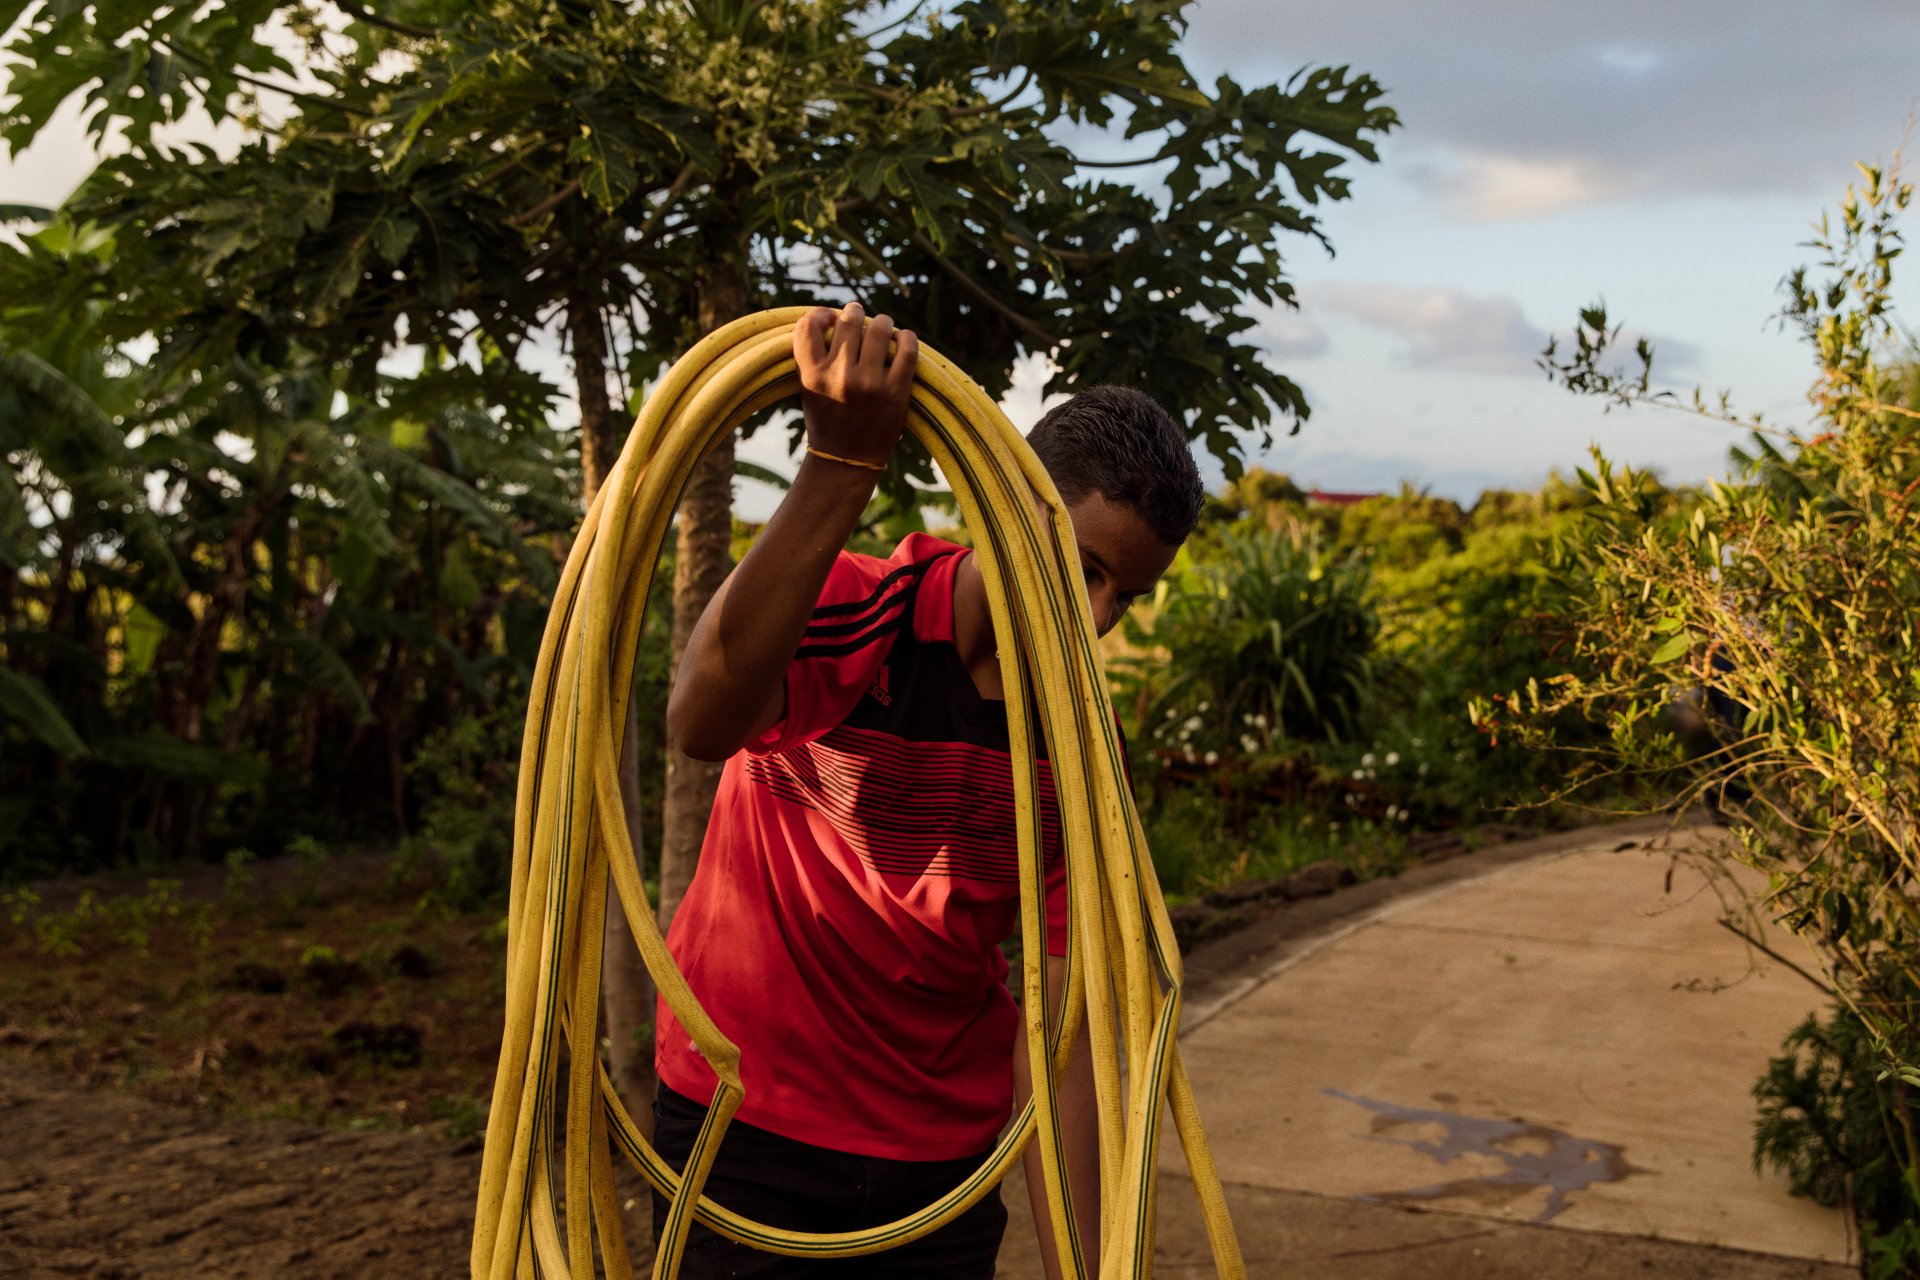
337	994
104	1184
107	1186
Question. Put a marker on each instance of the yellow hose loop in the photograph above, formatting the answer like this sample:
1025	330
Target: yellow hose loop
570	836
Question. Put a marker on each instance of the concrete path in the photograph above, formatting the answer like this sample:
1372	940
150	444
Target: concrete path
1530	1063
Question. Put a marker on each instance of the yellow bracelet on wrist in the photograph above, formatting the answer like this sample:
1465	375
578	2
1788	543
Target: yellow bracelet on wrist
852	462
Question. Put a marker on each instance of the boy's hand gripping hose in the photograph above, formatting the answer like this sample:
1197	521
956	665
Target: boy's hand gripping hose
1122	970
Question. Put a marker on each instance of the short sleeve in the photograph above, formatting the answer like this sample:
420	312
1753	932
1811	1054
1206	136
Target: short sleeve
865	603
933	605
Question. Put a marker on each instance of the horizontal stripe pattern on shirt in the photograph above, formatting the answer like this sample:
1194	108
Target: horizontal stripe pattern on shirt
912	808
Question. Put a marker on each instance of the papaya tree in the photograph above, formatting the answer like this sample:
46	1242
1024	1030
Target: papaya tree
1008	179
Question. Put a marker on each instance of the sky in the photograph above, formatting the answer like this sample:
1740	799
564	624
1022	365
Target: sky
1667	156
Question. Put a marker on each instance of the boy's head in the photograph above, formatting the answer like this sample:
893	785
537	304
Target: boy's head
1118	443
1122	464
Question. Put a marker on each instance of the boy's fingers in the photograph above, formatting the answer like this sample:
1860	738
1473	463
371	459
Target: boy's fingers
846	332
906	359
873	344
810	338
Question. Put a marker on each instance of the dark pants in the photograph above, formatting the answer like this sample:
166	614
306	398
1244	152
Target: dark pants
790	1184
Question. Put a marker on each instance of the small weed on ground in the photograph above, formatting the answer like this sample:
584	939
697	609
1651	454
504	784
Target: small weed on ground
371	1011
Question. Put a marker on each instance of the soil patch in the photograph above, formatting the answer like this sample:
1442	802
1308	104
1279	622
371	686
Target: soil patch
336	994
107	1186
299	1071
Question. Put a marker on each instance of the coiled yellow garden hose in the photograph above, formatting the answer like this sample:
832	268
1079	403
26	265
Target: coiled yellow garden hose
1123	967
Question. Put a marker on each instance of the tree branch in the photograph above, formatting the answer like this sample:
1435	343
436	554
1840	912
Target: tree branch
1023	323
1879	407
1165	153
372	19
988	108
512	162
1080	257
900	21
310	99
866	254
546	206
1766	950
848	279
673	192
573	188
1667	400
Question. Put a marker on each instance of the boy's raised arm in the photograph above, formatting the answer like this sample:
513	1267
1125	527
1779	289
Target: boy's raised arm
730	685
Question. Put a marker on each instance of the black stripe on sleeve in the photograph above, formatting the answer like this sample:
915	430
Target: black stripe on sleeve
878	633
820	630
858	606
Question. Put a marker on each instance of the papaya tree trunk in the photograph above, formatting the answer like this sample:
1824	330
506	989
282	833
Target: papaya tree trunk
626	990
704	555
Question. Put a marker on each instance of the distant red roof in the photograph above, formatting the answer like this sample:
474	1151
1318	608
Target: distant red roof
1333	499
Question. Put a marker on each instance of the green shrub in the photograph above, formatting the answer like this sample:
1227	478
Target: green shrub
460	1117
239	878
1262	635
1202	841
311	856
1784	600
1844	1130
468	773
96	923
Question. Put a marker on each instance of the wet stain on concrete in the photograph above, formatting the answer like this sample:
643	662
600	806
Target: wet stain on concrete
1535	1155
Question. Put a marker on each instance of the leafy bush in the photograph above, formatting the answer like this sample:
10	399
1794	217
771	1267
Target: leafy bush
95	923
230	599
1477	619
1424	765
1785	599
1398	531
1464	605
311	856
468	773
1844	1130
1263	635
1201	842
464	777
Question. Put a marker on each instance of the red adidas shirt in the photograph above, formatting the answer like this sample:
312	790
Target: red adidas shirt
859	873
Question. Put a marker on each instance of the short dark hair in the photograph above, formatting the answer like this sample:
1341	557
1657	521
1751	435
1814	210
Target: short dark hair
1120	444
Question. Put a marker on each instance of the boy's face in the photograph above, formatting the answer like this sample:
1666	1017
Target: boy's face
1120	553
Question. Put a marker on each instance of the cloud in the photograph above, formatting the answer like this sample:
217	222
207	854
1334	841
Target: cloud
1449	330
1443	329
1291	336
1629	59
1556	105
1504	186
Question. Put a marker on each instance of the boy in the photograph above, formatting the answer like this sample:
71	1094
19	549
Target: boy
860	868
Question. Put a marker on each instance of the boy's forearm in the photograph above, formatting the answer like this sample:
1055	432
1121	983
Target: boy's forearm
1080	1133
856	380
732	672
